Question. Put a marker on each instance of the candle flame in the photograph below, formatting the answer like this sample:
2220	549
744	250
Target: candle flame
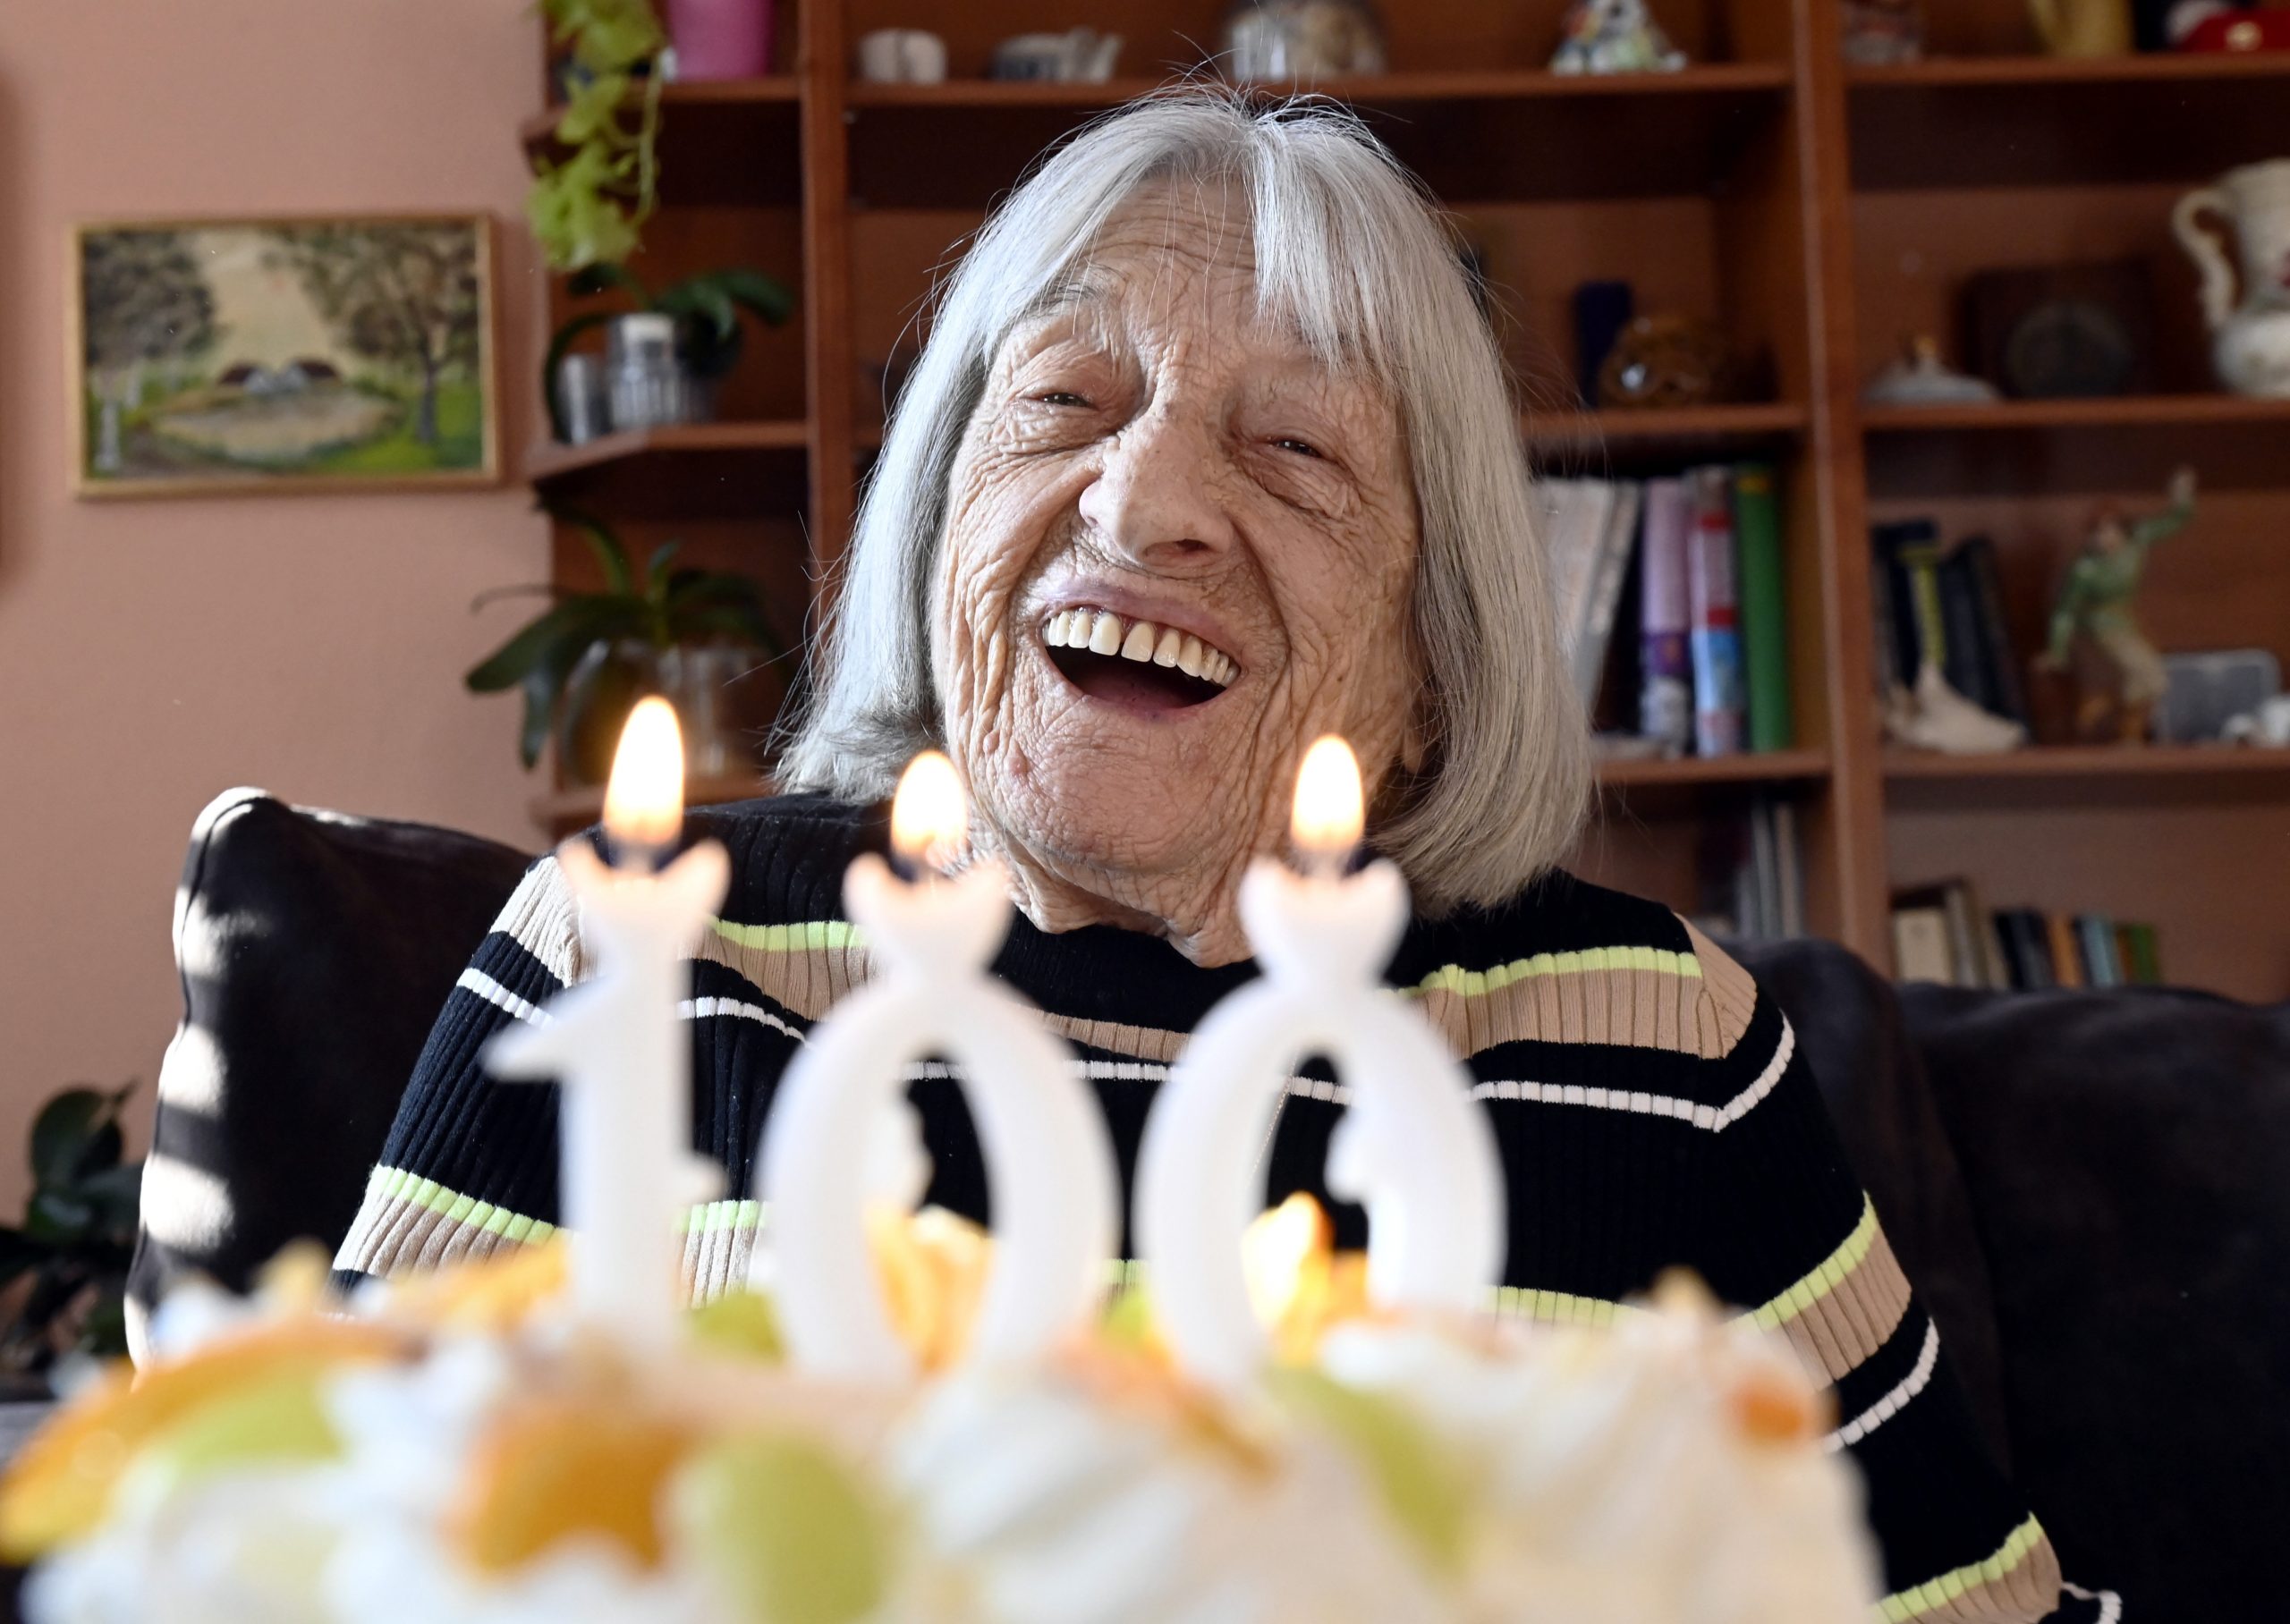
644	800
1329	814
929	816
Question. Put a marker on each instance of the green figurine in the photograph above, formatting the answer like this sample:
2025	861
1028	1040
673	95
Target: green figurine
2098	600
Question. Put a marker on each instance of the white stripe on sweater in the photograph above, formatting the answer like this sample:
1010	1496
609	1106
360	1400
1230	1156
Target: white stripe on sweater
501	998
1885	1409
2110	1603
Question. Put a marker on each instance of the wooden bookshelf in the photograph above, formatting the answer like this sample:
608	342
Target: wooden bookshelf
1819	213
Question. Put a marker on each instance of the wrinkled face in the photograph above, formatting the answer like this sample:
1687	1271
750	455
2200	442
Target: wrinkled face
1178	549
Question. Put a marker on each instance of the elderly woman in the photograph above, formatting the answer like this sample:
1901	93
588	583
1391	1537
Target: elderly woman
1210	454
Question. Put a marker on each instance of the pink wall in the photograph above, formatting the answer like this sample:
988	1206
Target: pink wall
155	653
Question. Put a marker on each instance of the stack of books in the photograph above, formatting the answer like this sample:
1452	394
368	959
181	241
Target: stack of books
1943	608
1703	550
1753	873
1943	933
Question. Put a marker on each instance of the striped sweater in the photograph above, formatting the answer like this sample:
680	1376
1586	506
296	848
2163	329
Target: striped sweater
1650	1103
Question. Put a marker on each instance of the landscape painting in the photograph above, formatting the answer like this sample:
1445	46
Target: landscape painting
313	355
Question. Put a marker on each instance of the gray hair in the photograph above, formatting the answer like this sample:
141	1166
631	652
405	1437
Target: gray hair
1350	247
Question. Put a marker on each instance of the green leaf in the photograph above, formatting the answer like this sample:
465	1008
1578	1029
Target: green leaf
73	1132
574	623
58	1216
656	573
699	301
592	111
559	346
116	1194
765	298
611	558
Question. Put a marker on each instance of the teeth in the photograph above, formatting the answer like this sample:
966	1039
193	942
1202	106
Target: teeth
1139	644
1143	641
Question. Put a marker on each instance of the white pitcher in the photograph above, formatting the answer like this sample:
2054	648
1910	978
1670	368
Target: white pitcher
2252	339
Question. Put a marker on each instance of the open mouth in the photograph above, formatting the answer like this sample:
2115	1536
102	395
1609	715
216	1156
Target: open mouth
1133	662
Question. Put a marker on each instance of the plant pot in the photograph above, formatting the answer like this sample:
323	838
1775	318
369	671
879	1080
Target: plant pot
726	696
648	382
720	38
602	690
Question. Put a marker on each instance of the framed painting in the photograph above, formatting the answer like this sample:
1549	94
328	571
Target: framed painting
326	353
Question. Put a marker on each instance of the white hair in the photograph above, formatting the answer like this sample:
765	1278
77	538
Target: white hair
1349	246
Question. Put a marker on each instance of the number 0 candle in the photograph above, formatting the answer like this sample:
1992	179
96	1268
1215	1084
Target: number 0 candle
1050	1164
1413	1146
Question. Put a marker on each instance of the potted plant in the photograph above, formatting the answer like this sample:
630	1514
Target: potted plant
587	208
63	1270
709	335
584	660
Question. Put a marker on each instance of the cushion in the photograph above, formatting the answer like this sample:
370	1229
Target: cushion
315	951
2125	1155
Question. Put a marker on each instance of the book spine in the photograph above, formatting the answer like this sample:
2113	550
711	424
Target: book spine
1964	662
1714	605
1789	856
2006	684
1910	552
2067	953
2146	956
1665	693
2095	937
1885	646
1765	625
1612	564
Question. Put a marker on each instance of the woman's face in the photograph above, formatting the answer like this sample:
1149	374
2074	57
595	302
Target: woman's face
1178	549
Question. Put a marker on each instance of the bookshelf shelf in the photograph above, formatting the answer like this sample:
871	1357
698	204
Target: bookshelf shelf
1498	84
1771	767
2062	763
2015	72
1714	425
693	471
2121	411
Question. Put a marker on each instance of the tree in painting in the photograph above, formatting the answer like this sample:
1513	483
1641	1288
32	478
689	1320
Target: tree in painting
144	302
404	295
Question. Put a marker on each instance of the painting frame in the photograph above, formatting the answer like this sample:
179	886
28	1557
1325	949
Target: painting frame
482	370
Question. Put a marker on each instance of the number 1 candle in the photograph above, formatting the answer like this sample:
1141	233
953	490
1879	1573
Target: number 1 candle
1413	1146
615	1045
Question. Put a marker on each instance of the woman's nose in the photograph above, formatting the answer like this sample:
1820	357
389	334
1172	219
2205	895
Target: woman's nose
1155	499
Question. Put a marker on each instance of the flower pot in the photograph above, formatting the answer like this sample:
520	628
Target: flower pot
648	383
603	689
720	38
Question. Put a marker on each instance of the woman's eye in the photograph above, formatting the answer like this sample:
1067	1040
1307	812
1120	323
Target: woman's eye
1059	397
1302	448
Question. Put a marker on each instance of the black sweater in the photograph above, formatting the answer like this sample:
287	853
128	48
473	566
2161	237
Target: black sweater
1649	1102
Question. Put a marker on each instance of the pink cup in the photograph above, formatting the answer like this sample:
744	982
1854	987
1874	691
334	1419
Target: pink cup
720	38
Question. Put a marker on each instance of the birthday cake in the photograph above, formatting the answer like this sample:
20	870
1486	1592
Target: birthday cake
464	1450
899	1419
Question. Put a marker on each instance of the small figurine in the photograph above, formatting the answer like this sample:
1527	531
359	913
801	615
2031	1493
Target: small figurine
1613	36
2098	600
1884	33
1934	716
1919	377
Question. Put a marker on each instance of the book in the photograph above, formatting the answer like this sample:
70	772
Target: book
1665	672
2146	958
1790	858
2008	687
1963	658
2066	954
1921	944
1885	646
2095	936
1909	550
1986	955
1765	625
1713	605
2027	949
1574	527
1605	592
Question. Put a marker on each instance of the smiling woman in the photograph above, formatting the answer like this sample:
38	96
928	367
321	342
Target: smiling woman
1210	454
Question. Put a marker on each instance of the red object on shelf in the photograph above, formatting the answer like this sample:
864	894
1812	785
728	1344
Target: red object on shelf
2240	31
717	40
